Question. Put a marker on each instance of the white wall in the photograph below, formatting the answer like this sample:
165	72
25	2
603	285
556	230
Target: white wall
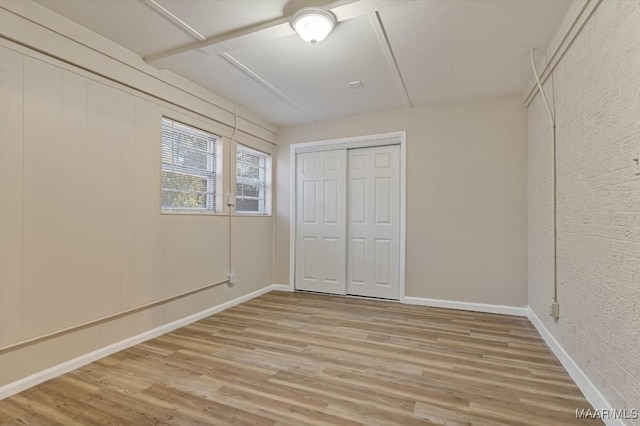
466	196
81	234
597	102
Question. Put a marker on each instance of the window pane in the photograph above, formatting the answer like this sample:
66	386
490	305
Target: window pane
193	138
167	153
250	172
251	180
183	200
172	180
184	156
188	167
251	159
248	205
244	190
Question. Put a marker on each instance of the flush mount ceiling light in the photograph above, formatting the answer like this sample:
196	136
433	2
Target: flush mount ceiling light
313	24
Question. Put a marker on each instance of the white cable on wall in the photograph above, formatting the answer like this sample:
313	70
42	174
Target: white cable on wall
552	118
231	192
544	96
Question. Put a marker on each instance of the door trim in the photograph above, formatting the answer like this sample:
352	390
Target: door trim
366	141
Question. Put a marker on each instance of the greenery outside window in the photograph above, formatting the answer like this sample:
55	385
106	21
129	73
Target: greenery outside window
189	166
253	181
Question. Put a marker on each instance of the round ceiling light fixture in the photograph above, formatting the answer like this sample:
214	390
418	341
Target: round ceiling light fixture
313	24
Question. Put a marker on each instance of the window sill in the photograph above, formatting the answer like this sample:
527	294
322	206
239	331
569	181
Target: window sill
248	214
192	212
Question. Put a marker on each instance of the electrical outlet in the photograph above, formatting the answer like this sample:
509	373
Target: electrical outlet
555	310
233	279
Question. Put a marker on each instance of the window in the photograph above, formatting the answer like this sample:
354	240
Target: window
253	181
188	168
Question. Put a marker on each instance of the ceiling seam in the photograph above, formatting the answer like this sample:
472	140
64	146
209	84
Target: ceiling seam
175	20
383	41
247	71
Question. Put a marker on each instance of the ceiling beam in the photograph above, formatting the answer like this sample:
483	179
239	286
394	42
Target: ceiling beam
224	42
271	30
383	40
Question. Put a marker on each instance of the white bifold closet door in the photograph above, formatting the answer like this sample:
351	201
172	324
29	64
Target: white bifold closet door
373	225
348	222
320	257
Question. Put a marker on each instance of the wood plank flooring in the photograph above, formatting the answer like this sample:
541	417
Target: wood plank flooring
308	359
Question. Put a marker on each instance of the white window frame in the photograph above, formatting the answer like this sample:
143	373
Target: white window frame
264	196
212	174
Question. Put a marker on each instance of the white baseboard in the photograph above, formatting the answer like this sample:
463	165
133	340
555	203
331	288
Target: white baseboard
587	387
590	391
60	369
467	306
281	287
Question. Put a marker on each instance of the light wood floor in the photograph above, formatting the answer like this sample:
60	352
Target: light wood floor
294	358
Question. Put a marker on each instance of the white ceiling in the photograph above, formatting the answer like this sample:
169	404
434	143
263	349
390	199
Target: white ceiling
407	53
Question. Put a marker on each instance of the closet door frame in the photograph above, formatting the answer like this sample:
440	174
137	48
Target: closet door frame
366	141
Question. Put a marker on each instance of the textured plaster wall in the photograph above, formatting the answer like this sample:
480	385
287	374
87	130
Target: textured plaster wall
597	99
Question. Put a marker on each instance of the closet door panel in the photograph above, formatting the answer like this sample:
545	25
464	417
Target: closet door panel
321	222
373	225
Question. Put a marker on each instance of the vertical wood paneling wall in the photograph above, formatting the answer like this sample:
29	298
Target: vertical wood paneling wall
81	234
